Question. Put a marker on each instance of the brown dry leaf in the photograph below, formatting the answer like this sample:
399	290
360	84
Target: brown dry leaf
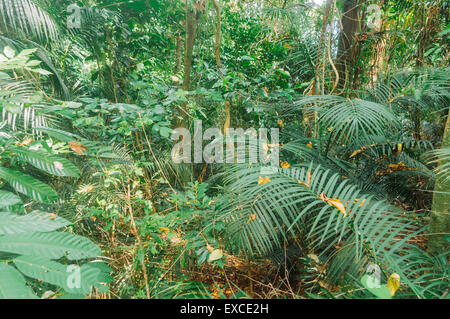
77	147
307	183
334	202
262	181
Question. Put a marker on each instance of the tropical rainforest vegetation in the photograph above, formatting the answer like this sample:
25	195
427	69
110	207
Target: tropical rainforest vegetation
93	205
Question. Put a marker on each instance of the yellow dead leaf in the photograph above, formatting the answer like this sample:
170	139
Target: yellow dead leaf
163	229
287	46
26	142
338	204
262	181
357	200
393	283
308	182
285	165
399	147
334	202
252	217
355	153
215	295
310	145
280	123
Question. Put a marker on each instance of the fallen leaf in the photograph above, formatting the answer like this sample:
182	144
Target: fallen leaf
262	181
355	153
357	200
26	142
334	202
77	147
307	183
310	145
285	165
393	283
215	255
252	217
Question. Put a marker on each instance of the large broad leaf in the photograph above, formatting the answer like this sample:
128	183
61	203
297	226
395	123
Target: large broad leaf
47	162
61	275
12	284
34	222
58	134
28	185
8	199
50	245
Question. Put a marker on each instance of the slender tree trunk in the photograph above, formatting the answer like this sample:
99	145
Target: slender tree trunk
192	15
350	24
218	33
178	53
191	28
440	214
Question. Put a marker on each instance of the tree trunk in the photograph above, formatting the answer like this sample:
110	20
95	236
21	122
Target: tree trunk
440	214
191	28
350	24
178	53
